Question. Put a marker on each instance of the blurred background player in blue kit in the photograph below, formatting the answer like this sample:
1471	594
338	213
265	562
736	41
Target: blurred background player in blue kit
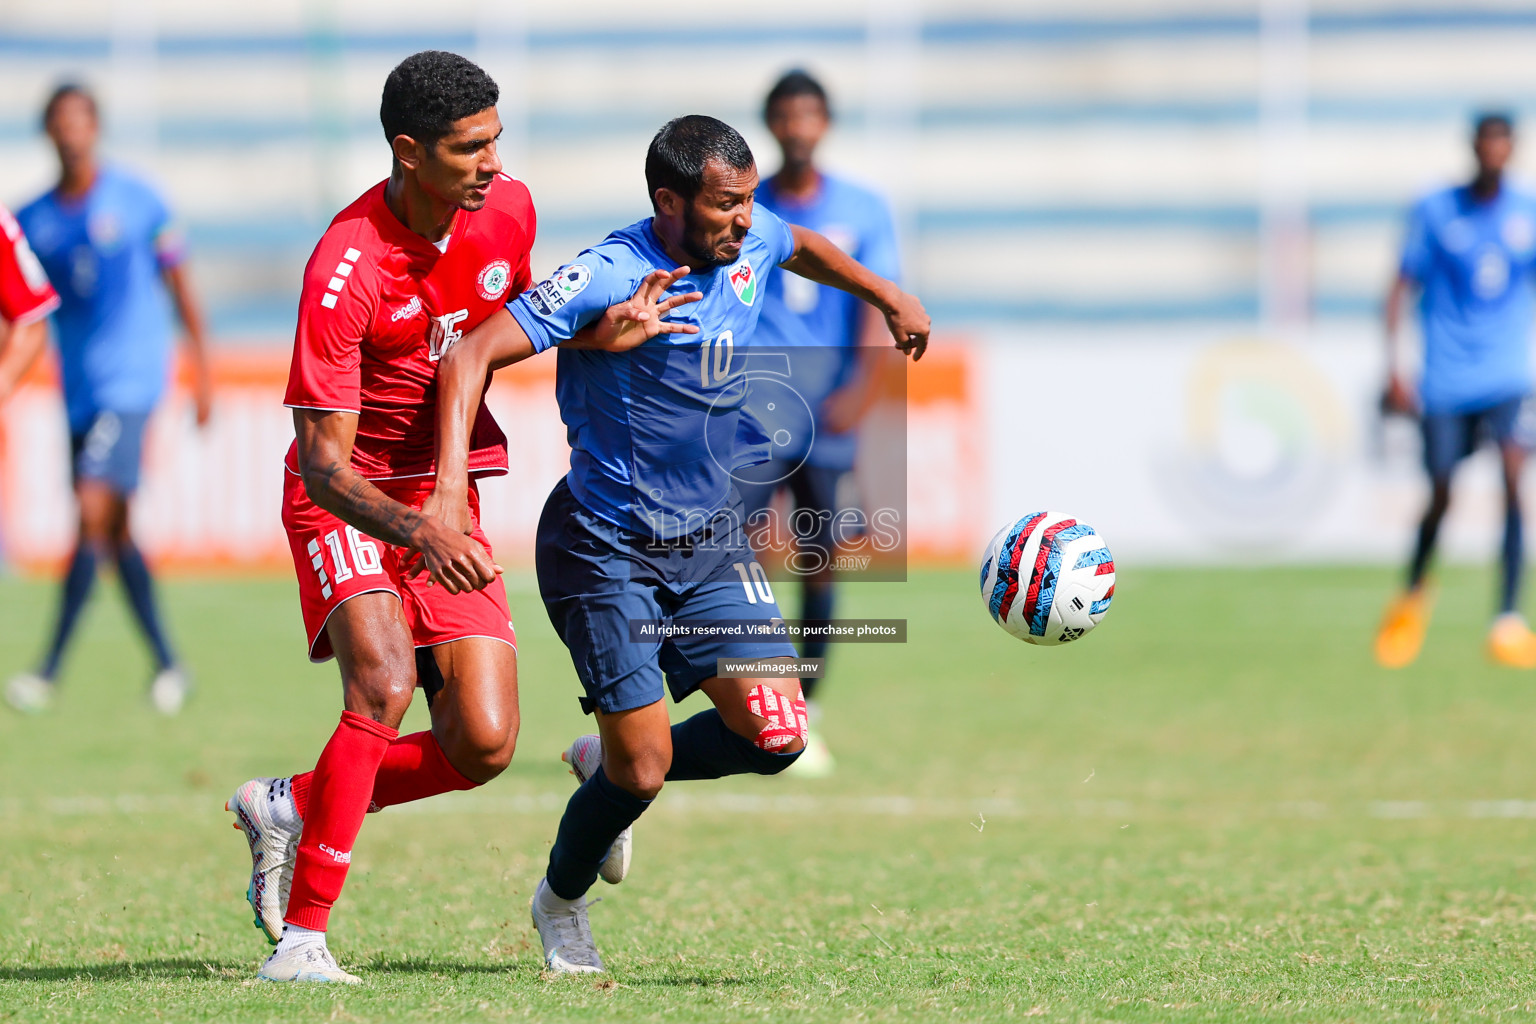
832	333
108	244
1469	253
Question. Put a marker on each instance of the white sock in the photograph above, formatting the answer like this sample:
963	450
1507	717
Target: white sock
293	937
280	803
549	901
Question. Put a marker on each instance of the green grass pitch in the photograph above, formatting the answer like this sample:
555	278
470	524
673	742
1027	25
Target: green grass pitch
1216	808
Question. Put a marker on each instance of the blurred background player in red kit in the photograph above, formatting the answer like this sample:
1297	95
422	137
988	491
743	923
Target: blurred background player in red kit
111	248
26	299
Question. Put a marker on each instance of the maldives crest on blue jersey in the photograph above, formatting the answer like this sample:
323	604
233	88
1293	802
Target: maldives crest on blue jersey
744	281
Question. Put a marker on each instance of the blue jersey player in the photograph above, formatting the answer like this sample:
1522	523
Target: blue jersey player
1469	254
827	332
645	529
108	244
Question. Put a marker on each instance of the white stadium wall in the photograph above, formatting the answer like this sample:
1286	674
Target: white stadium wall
1218	446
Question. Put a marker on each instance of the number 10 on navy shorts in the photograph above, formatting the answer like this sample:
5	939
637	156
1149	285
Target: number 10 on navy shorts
596	578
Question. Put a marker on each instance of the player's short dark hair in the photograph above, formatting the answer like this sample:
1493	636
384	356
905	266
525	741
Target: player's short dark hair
430	90
684	145
62	92
791	84
1493	122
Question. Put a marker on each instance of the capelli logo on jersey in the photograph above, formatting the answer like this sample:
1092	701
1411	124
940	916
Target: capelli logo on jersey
408	310
339	856
444	333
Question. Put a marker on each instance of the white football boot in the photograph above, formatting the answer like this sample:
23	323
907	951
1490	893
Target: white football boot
29	693
564	932
264	811
815	761
169	691
309	962
584	756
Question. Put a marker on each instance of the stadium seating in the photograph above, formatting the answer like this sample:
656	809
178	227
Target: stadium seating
1100	166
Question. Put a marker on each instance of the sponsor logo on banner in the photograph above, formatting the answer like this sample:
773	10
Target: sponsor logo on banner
408	310
743	281
568	282
493	279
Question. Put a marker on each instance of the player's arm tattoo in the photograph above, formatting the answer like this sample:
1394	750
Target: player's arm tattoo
325	464
350	497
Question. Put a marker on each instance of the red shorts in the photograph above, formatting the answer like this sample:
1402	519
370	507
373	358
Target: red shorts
336	562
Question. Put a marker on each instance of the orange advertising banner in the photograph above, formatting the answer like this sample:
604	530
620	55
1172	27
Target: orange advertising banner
210	498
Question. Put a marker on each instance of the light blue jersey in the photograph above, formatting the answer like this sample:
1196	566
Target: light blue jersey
1473	261
104	253
656	431
800	312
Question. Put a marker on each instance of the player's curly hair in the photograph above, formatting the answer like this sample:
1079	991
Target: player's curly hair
684	145
795	83
430	90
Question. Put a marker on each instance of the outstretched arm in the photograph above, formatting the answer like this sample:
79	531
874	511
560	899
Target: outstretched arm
818	259
325	440
191	314
1398	397
501	341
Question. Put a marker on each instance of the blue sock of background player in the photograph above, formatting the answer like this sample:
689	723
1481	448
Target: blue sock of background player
1429	531
702	748
1513	556
78	582
134	572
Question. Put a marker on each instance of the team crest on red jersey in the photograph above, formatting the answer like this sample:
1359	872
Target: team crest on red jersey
493	280
744	281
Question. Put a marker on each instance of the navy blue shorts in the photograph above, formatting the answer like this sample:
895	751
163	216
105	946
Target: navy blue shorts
109	449
1451	437
597	578
814	489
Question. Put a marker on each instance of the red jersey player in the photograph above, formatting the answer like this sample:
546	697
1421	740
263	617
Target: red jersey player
26	299
398	277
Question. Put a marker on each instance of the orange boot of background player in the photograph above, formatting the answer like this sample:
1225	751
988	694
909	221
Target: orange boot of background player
1402	630
1511	642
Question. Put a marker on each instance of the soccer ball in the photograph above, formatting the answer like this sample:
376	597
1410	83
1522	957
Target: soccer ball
1047	578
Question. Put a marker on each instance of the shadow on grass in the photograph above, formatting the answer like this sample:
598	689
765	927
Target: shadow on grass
687	981
193	969
183	969
429	966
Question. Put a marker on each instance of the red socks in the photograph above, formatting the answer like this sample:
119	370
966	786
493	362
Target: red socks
414	768
335	799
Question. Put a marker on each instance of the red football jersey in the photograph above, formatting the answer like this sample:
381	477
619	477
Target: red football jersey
381	305
25	294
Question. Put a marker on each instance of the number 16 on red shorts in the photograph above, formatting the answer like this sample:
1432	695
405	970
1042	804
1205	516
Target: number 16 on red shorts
335	562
